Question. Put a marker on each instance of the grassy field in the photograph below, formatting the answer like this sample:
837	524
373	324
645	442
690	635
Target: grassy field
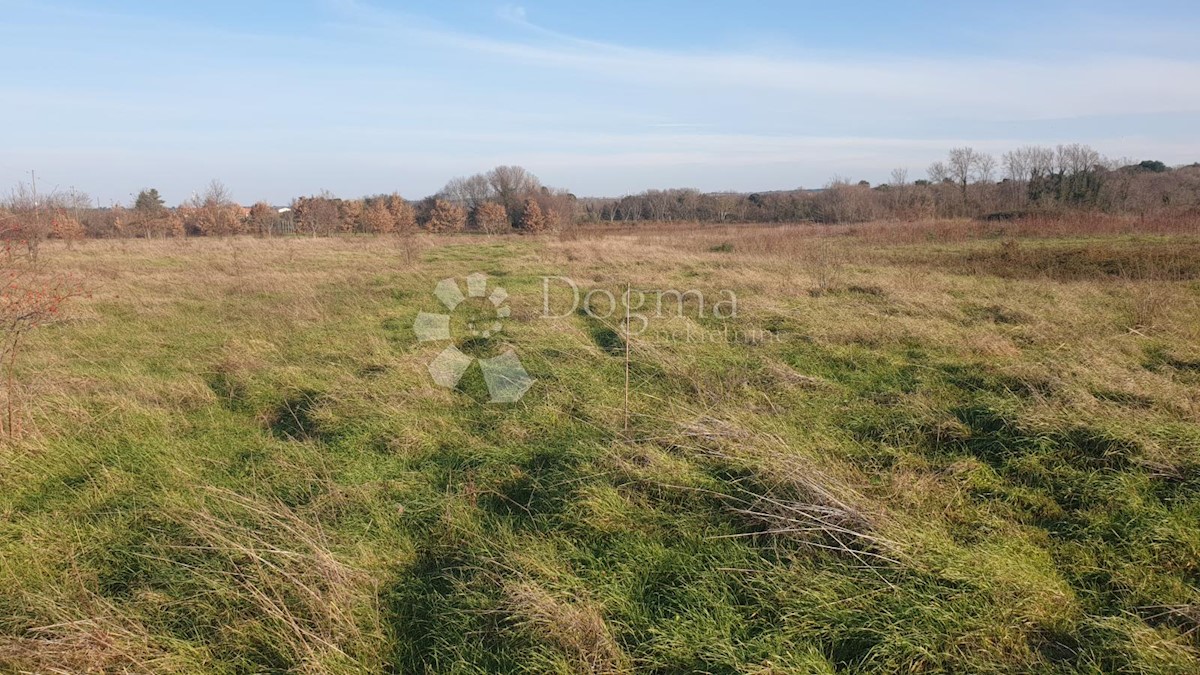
909	451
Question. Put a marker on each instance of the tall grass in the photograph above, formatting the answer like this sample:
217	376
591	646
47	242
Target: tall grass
946	450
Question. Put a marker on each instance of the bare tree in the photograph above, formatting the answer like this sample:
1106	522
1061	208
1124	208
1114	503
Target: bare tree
469	192
1075	159
27	220
968	165
984	168
938	172
725	205
965	166
511	185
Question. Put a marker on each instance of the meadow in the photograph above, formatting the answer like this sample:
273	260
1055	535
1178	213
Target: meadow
935	447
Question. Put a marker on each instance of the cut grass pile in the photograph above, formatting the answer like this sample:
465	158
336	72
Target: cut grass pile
896	457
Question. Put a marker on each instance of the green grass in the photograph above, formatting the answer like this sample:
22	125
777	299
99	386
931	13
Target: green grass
243	466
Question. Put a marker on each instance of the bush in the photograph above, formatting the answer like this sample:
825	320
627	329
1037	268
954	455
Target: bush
446	217
532	218
492	218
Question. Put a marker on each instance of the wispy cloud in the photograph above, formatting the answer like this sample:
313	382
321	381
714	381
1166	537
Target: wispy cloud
358	98
994	88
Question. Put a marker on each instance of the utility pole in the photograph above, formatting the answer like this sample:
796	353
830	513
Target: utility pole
37	219
75	202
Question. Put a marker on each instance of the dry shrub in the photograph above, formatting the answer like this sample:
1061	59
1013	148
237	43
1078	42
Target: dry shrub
377	219
67	228
533	220
492	218
446	217
576	627
29	299
276	580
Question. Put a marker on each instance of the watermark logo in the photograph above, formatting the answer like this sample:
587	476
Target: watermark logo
480	315
634	308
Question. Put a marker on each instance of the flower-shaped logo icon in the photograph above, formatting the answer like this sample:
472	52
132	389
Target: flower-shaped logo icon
504	375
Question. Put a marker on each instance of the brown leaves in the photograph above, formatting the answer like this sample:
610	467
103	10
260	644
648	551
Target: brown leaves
446	217
533	220
491	218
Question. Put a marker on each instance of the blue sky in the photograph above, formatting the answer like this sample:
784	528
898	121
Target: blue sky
278	99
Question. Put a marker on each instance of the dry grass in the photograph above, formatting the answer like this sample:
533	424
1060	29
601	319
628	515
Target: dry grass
105	641
950	453
574	626
259	559
790	495
765	239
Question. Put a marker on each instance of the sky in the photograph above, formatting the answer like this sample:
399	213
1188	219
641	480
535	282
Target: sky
278	99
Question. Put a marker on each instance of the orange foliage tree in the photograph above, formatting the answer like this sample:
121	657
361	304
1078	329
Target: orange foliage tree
377	219
446	217
262	220
405	221
533	220
491	218
67	228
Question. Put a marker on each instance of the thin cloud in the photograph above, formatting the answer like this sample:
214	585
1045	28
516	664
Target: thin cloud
390	100
991	88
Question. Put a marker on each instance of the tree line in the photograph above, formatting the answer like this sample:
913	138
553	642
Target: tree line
967	183
505	199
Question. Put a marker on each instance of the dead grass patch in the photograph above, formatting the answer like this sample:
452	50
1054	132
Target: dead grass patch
274	578
575	626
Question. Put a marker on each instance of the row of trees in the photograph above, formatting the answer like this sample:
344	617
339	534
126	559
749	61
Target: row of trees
967	183
505	199
509	197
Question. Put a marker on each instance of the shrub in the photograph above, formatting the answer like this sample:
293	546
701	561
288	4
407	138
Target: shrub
492	218
67	228
446	217
404	221
377	219
532	218
262	219
27	300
